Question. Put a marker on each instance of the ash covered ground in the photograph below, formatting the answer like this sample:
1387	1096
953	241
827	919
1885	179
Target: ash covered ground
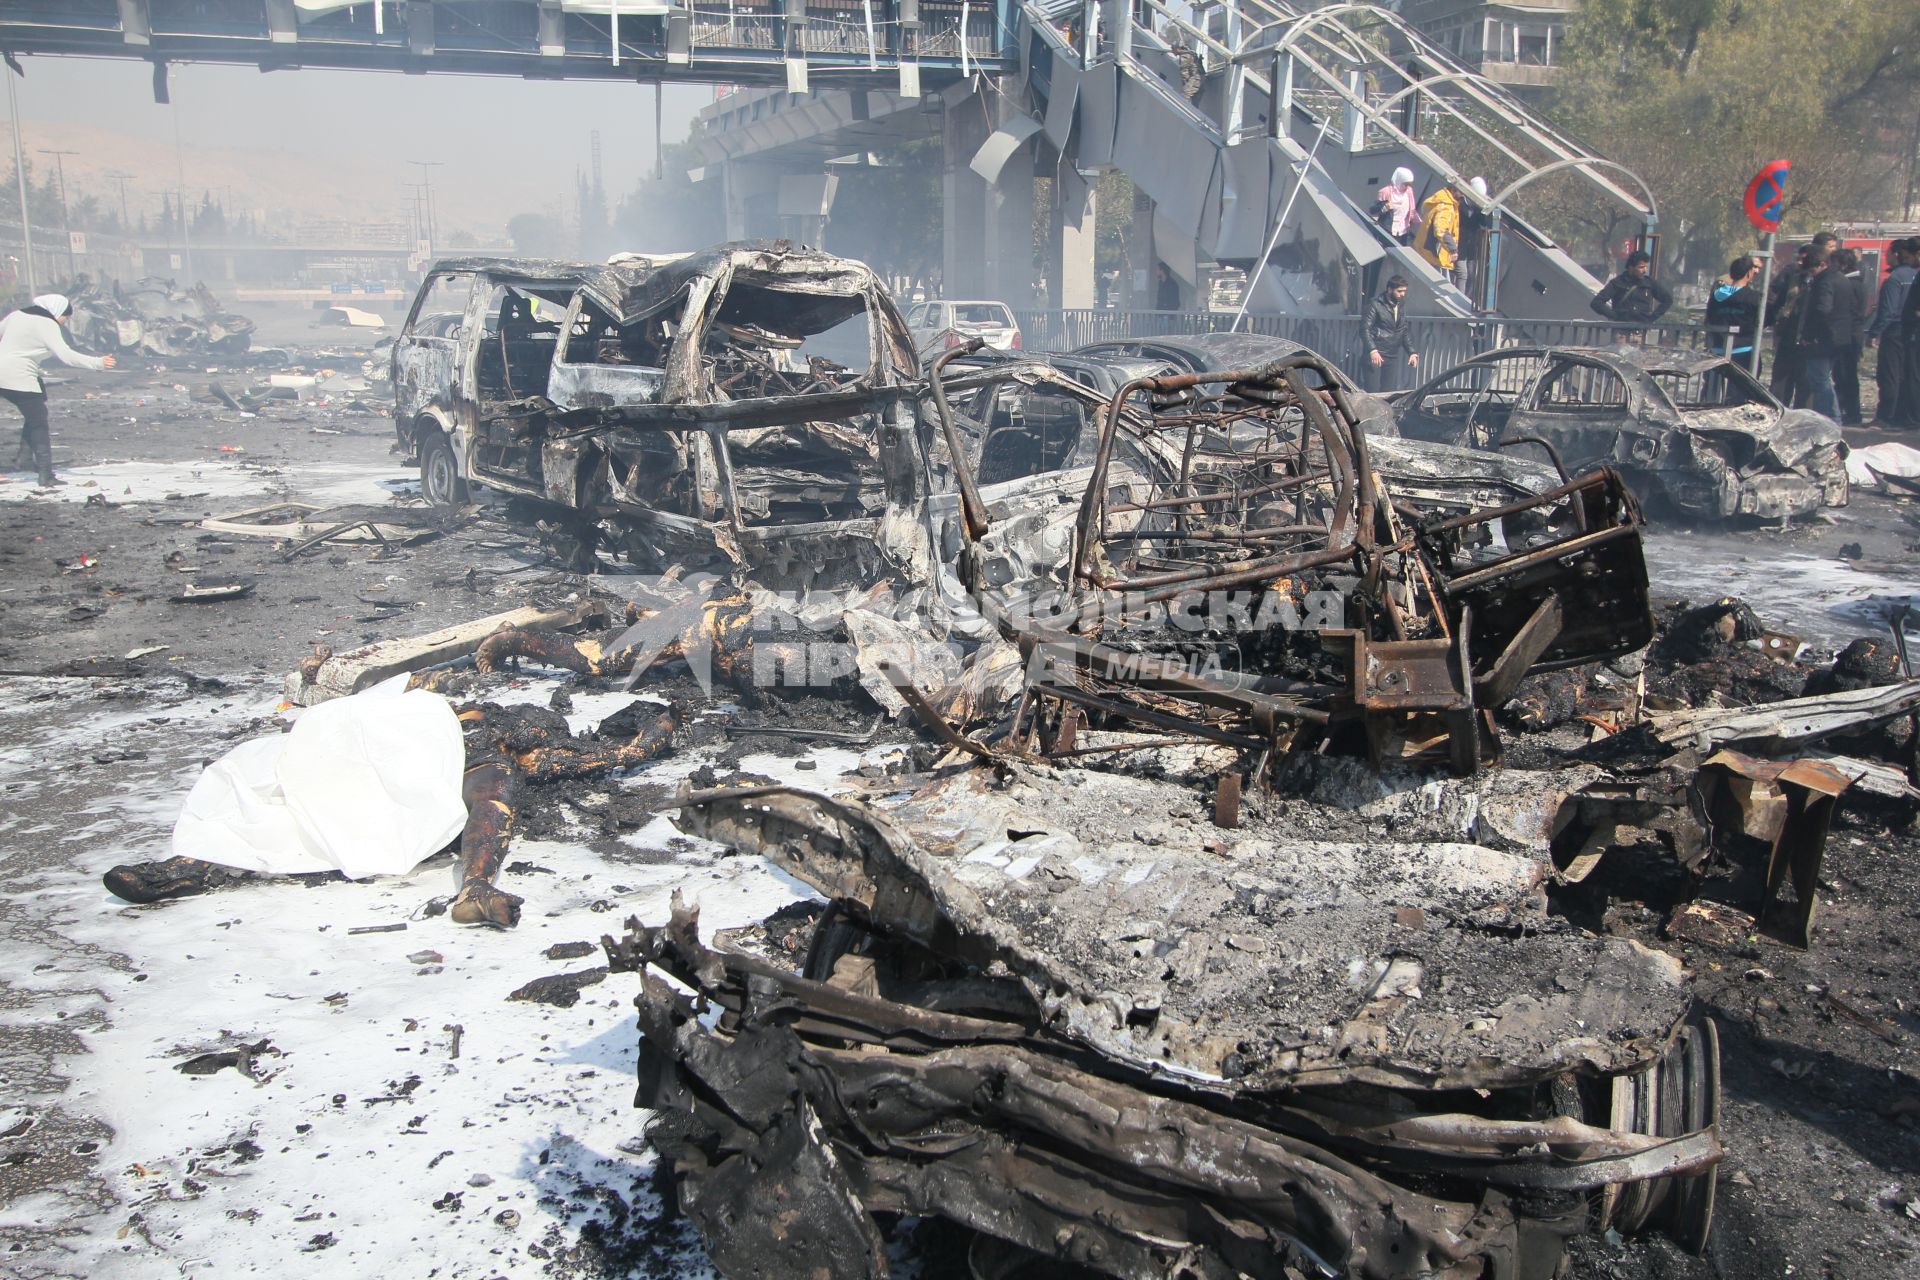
375	1102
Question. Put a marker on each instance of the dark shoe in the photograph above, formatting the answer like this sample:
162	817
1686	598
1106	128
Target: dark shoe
175	878
50	481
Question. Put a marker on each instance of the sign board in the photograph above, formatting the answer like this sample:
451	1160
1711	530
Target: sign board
373	288
342	288
77	241
1767	196
174	263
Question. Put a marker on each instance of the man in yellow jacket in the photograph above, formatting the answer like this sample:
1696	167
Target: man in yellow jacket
1439	238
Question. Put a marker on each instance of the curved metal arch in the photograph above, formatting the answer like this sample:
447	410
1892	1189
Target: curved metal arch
1450	77
1581	162
1307	22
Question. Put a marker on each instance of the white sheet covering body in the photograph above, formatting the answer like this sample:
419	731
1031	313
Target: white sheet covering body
367	785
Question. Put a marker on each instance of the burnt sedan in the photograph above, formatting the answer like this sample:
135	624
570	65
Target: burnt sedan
1689	431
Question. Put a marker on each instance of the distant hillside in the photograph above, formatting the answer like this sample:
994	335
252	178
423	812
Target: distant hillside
286	189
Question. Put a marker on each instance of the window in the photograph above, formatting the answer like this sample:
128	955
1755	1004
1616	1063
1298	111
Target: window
1532	44
1575	387
442	306
917	315
1723	386
986	313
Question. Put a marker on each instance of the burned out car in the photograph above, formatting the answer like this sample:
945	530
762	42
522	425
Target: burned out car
752	402
1046	1001
1689	431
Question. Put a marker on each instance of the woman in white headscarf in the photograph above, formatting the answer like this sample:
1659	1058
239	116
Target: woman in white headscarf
1397	207
27	337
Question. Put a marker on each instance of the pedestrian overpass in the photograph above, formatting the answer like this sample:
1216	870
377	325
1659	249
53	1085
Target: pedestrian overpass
1267	159
1255	132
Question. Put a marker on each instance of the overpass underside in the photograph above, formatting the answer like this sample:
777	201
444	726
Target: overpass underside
1255	133
901	44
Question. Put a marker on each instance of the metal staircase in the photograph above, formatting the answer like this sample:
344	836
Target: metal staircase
1300	115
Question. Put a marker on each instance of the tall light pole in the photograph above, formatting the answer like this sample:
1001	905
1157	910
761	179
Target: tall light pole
426	184
121	176
60	167
20	174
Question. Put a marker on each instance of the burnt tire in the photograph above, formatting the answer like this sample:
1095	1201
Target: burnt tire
441	483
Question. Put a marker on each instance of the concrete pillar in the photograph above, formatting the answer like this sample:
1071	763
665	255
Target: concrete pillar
752	199
1009	232
1136	284
1071	271
963	200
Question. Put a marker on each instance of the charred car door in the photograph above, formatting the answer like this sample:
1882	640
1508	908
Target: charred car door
427	387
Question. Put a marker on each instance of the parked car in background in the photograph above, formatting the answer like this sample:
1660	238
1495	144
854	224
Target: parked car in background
948	323
1691	431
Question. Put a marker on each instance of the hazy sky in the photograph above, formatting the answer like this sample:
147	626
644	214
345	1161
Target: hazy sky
505	145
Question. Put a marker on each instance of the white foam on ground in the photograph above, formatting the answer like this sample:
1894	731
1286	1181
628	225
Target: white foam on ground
216	481
357	1150
1818	598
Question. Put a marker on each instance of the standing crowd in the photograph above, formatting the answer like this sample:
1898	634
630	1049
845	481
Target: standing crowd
1825	315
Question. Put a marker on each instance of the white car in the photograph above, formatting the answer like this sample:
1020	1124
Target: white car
948	324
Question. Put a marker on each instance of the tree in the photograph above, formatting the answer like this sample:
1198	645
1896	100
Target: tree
1696	95
671	213
538	235
889	215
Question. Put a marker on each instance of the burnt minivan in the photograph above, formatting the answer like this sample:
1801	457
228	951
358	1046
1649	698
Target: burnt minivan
750	402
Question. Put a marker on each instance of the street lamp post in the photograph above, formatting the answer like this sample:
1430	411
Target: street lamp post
20	175
426	185
66	225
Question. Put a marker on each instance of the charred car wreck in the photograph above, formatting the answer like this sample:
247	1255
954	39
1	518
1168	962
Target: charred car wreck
1049	1000
1691	432
668	406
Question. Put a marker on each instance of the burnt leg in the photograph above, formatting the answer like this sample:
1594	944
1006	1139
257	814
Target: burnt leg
490	790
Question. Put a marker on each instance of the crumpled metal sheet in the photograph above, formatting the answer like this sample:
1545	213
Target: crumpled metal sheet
1298	962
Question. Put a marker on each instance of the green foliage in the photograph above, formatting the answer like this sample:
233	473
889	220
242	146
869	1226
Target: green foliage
670	213
1696	95
889	216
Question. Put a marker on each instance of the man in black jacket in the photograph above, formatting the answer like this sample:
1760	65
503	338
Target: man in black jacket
1850	328
1821	333
1634	295
1789	382
1390	353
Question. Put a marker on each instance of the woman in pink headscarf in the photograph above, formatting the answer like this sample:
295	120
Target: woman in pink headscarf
1397	209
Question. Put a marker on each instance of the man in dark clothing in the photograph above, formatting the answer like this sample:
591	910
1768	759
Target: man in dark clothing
1850	327
1789	384
1894	408
1910	339
1733	311
1390	353
1166	289
1821	333
1634	295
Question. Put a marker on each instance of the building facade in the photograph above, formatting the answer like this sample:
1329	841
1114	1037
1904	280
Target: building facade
1512	44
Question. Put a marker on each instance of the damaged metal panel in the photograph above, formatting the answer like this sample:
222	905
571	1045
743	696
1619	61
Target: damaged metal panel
1024	1013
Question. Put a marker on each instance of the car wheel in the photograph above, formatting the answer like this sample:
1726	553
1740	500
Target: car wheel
441	483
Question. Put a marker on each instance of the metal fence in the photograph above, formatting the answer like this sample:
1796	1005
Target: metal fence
1440	340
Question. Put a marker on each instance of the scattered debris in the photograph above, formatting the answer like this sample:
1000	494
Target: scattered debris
561	990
